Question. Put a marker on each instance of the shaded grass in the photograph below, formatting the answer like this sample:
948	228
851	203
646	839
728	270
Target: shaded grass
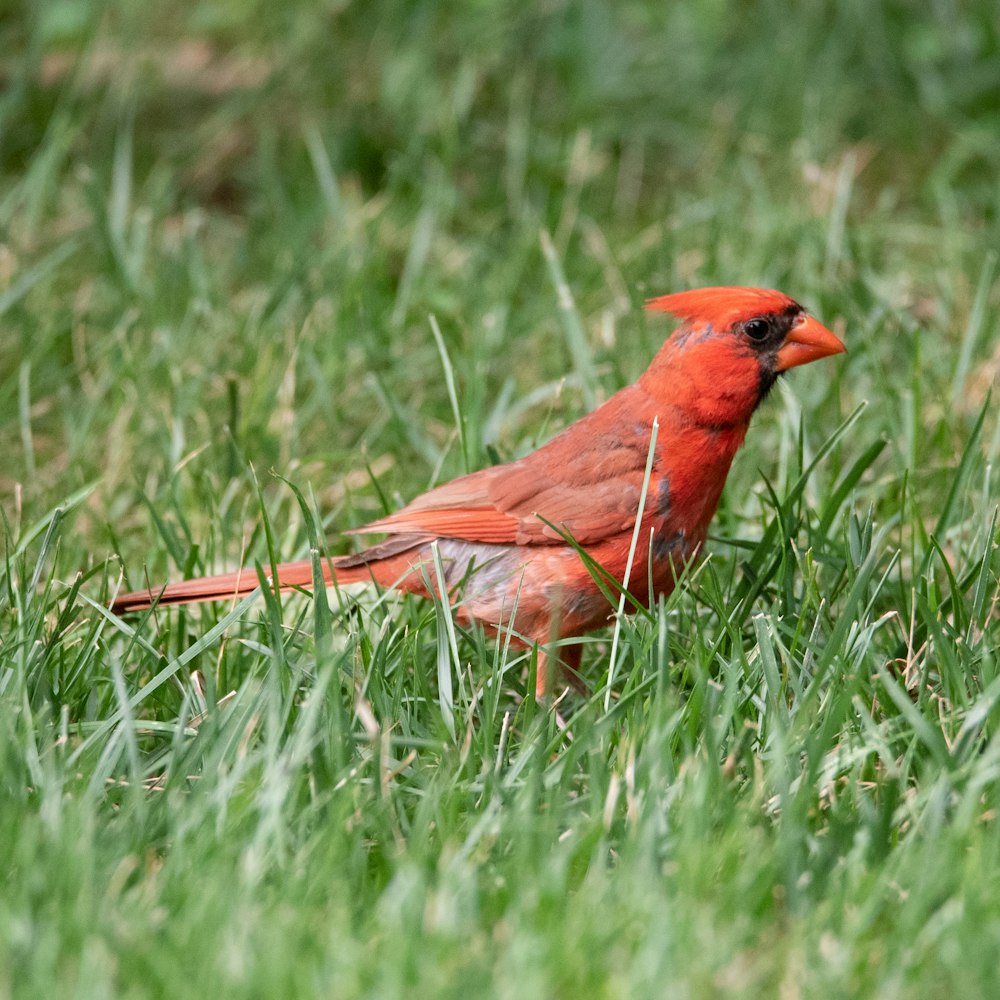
223	233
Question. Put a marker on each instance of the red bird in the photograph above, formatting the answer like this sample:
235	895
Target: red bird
502	532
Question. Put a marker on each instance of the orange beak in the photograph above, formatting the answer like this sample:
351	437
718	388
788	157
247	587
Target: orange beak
808	340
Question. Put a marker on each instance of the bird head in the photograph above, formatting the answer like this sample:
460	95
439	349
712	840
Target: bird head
732	345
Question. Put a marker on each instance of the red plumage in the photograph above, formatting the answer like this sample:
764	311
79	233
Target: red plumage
721	306
501	531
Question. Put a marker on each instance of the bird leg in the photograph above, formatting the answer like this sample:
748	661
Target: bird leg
568	660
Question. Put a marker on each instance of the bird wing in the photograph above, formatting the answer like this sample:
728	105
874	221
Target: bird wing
585	482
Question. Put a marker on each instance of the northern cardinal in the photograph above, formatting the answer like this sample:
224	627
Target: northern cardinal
502	532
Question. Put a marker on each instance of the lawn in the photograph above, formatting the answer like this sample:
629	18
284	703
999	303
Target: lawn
228	233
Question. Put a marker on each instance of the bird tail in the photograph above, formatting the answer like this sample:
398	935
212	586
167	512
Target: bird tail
387	564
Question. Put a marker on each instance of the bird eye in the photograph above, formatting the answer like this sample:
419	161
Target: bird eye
757	329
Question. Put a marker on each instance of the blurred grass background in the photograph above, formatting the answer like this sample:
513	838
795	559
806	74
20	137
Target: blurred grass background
223	229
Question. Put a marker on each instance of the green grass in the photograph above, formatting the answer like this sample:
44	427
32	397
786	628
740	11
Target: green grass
224	231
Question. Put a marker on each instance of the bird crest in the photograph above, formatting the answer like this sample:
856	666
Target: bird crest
722	306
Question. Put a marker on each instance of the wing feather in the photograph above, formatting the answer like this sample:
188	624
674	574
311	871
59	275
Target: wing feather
585	481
